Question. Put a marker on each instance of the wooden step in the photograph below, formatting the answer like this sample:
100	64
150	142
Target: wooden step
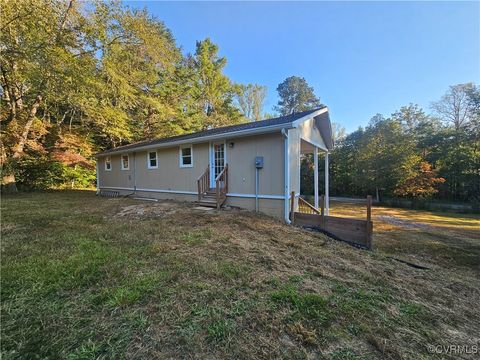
207	203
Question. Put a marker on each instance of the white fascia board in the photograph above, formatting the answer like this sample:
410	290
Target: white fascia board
201	139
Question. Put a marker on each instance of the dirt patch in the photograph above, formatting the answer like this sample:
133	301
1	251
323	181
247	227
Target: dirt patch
148	210
407	224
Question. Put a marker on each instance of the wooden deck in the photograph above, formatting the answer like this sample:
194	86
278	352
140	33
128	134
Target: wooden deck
355	231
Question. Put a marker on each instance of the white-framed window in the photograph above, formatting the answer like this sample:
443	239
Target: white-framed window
125	162
152	160
108	163
186	156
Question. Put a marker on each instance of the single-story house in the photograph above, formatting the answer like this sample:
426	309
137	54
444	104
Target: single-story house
254	165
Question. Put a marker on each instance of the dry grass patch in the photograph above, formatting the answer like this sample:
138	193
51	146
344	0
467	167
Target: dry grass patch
164	280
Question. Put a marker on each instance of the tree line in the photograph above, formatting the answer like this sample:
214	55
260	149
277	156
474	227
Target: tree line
411	153
77	78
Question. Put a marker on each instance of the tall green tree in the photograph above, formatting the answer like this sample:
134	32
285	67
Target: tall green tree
98	72
295	96
460	158
212	91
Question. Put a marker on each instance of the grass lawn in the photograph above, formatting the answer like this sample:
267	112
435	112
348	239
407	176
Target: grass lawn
86	277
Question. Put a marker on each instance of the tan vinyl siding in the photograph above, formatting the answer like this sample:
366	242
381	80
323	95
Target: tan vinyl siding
241	164
169	175
116	177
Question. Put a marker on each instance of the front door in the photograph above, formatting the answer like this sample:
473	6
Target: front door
217	161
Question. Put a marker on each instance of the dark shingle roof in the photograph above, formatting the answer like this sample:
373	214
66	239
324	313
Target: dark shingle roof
217	131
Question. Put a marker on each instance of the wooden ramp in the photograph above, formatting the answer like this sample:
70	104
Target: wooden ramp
355	231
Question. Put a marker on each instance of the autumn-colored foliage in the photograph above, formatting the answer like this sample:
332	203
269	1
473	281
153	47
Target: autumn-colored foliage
421	185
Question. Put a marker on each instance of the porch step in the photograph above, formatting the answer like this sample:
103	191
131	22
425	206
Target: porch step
210	200
207	203
209	196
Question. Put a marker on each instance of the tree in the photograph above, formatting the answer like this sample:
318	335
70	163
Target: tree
68	68
338	132
296	96
422	184
386	156
460	141
250	99
410	117
455	106
212	91
35	64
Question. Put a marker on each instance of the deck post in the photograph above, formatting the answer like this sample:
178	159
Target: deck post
315	176
322	213
369	232
327	195
292	207
369	207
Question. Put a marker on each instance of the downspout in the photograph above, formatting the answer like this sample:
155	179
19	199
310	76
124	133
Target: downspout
327	185
256	189
287	175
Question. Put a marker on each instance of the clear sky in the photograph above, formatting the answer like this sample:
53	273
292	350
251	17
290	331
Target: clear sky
361	58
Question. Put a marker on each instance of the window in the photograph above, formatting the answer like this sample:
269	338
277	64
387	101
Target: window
186	156
219	159
108	163
152	160
125	162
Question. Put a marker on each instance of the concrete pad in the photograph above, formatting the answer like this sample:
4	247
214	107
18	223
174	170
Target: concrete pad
204	208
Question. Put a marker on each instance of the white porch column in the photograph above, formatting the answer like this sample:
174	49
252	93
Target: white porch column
315	175
327	196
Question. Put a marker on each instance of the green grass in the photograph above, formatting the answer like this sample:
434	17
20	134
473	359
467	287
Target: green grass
81	282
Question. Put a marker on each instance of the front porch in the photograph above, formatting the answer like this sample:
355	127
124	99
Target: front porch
307	148
302	213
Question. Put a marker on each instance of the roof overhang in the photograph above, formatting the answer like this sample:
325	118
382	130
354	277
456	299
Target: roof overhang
226	135
201	139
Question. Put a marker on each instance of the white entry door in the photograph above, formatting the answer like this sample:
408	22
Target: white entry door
217	161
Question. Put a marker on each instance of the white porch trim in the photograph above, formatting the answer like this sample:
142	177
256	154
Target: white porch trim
182	192
327	193
315	176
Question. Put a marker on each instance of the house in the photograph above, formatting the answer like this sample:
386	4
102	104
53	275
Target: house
253	165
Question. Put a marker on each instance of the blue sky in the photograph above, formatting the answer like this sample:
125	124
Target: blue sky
361	58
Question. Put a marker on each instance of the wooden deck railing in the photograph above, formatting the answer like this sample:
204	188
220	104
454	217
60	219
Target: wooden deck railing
203	183
355	231
306	208
221	186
